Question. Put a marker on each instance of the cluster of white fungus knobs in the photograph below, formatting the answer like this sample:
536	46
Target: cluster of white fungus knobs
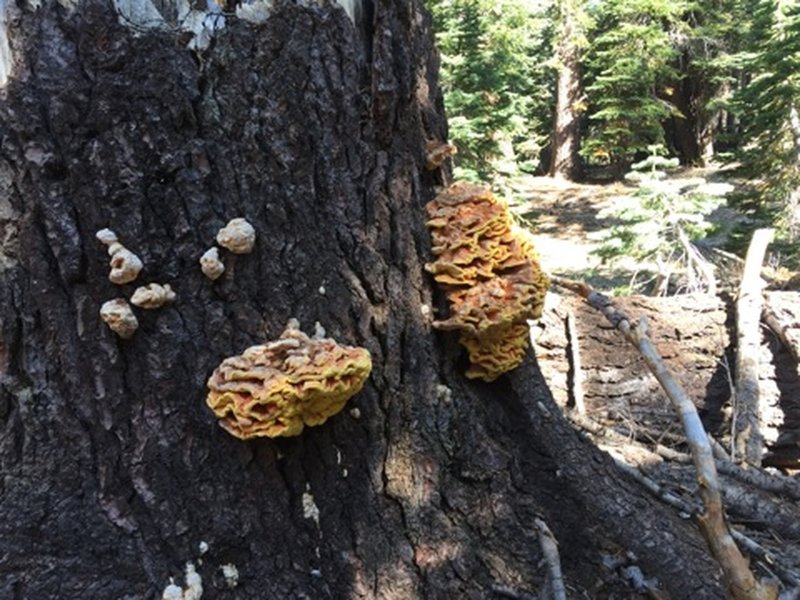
125	265
125	268
238	237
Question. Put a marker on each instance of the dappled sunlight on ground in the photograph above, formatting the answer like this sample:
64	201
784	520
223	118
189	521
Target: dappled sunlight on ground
563	217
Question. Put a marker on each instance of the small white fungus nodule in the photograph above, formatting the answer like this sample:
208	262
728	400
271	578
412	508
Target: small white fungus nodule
125	265
310	508
231	575
153	296
194	584
238	236
172	592
119	317
211	265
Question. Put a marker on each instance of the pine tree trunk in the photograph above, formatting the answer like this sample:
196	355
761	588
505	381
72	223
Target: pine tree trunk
693	131
566	140
114	471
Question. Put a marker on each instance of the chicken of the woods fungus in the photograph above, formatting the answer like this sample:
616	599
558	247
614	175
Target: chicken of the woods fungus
125	265
238	236
211	265
276	389
119	317
153	296
490	273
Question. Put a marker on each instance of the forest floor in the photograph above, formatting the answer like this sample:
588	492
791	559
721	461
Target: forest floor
566	221
563	217
626	413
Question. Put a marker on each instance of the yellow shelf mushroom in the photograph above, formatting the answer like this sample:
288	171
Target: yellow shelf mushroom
490	273
278	388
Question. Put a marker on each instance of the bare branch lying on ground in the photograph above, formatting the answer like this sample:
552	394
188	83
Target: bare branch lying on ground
577	369
749	443
623	448
741	582
788	576
780	328
549	546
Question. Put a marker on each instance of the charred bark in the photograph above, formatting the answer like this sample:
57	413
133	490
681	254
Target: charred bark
114	471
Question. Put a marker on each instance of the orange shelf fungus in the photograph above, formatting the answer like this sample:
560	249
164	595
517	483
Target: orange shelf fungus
276	389
490	273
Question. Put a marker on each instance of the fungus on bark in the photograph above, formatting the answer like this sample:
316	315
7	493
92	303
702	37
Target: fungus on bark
436	152
238	236
211	265
490	273
153	296
125	265
276	389
119	317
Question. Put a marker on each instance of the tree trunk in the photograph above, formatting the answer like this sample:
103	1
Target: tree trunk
115	473
566	142
693	131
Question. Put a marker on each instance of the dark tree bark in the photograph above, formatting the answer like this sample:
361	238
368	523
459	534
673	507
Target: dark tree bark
114	471
692	133
566	139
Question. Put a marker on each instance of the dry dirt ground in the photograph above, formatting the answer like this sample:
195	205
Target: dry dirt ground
563	216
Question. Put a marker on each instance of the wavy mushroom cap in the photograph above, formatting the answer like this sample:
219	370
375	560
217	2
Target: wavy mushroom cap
276	389
490	272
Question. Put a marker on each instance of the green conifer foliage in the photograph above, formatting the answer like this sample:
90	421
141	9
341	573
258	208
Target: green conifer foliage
768	108
498	96
631	58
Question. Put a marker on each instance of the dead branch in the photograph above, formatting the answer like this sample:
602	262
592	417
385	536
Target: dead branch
658	490
506	592
750	505
788	576
696	261
577	369
549	546
719	450
749	443
741	502
781	330
741	582
775	483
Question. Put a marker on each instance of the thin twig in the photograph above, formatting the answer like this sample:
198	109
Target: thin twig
507	592
577	369
658	490
696	260
732	390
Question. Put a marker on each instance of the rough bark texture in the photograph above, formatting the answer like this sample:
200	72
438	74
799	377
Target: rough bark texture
114	470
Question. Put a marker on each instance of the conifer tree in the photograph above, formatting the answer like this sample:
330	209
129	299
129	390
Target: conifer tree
768	107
